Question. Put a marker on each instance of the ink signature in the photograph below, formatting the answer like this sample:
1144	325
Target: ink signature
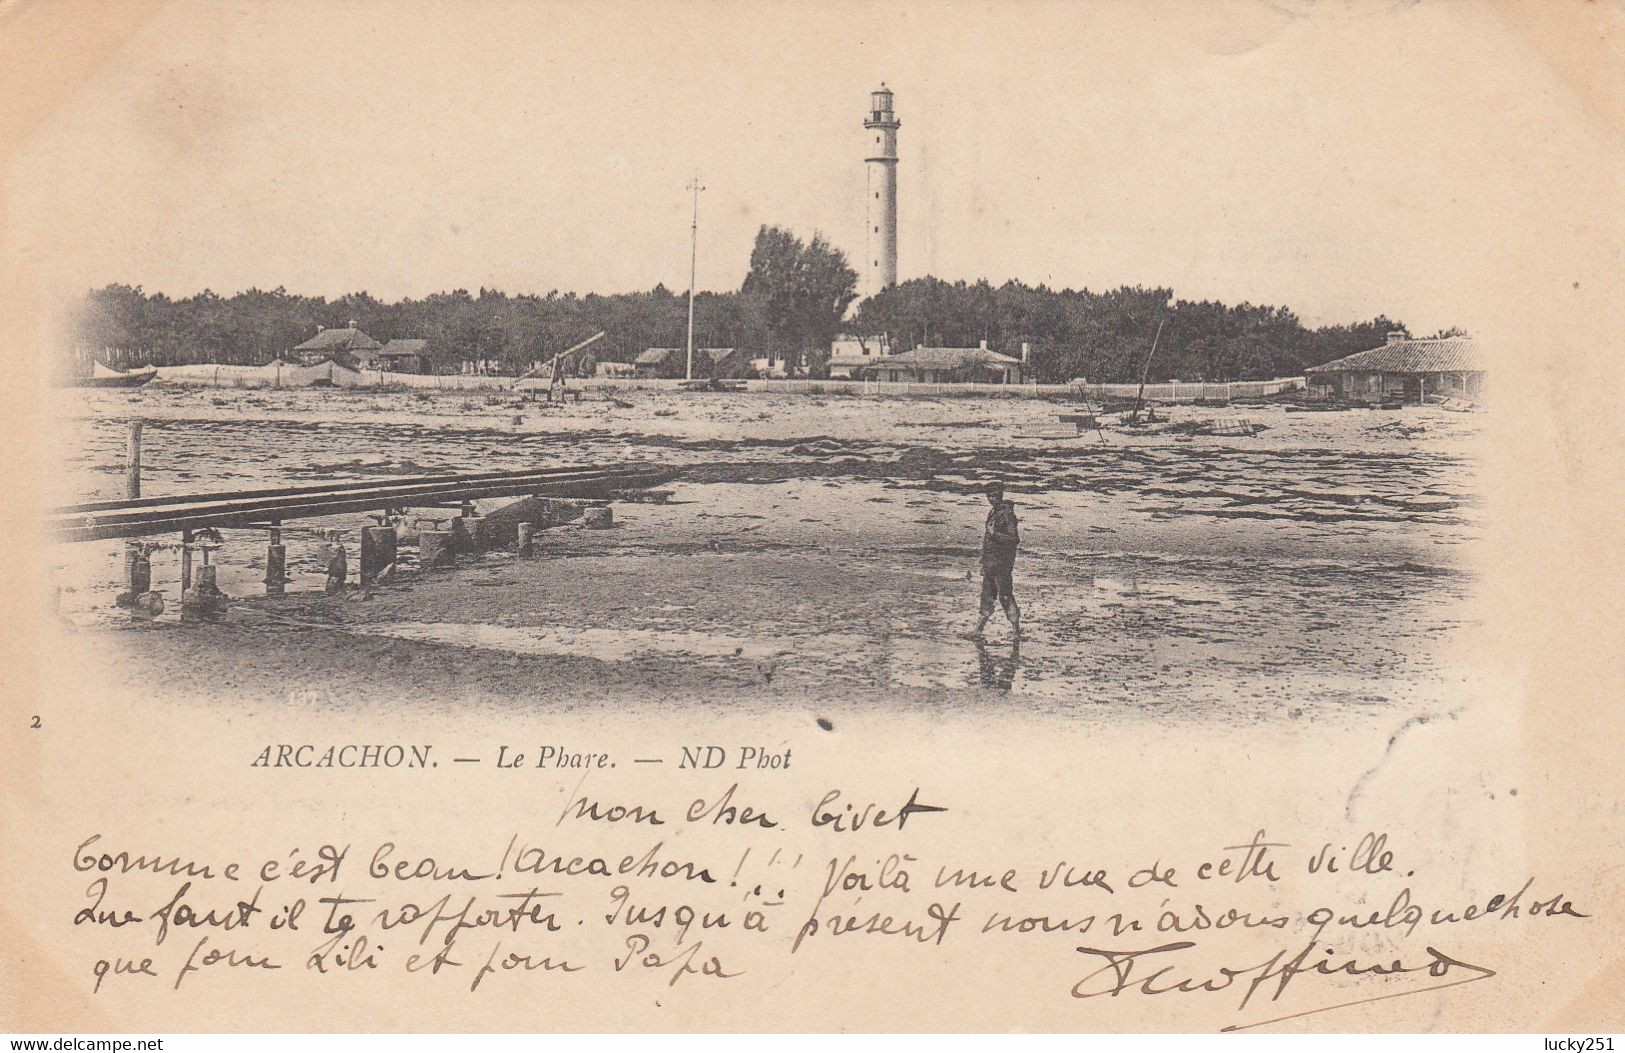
1145	972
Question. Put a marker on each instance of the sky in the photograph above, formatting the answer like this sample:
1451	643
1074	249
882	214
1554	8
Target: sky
1340	158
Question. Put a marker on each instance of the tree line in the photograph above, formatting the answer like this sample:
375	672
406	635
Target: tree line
1109	336
793	302
124	325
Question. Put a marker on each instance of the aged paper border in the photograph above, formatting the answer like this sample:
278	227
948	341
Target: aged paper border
1548	656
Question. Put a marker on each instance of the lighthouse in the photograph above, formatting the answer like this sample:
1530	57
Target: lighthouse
880	265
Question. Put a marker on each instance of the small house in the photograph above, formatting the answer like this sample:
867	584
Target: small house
849	354
403	356
946	365
656	361
1403	370
769	366
616	369
721	362
349	347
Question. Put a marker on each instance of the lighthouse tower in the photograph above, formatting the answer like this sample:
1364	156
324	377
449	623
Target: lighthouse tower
880	265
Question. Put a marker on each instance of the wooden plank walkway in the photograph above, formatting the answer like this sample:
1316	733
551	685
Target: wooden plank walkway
141	517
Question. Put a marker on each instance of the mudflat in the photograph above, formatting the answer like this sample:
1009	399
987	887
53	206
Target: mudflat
821	549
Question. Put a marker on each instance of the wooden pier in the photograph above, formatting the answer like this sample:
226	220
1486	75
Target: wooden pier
268	508
198	519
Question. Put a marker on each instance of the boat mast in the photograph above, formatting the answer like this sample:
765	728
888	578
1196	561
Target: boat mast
1145	369
693	262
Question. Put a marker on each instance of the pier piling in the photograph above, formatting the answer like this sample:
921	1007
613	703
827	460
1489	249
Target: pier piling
276	563
132	490
186	561
132	463
377	552
137	574
204	600
435	548
465	532
338	567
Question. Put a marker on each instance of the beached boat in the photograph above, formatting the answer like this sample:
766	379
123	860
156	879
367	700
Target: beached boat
712	385
1235	427
1145	426
105	377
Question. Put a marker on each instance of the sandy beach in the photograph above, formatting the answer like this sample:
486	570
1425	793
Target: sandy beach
822	549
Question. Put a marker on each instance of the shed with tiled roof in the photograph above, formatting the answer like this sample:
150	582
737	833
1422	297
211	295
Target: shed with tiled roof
348	347
655	361
404	356
1403	370
947	365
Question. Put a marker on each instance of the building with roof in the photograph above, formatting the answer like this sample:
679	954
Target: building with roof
1403	370
655	362
946	365
348	347
719	362
769	366
849	354
403	356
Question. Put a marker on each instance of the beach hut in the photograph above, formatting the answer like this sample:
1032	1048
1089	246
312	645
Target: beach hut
946	365
349	347
656	361
403	356
1403	370
721	362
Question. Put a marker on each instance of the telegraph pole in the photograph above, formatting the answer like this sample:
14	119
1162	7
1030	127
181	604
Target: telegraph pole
693	262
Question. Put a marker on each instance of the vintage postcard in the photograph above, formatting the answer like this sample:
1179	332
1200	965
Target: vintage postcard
812	517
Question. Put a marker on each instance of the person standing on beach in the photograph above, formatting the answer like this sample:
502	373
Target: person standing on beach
1000	538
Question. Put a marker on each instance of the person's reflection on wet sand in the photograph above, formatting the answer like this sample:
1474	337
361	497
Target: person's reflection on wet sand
997	671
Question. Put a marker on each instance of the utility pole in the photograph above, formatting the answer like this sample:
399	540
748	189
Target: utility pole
693	263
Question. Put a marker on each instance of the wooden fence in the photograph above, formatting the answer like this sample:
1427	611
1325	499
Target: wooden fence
1178	392
1170	392
297	376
